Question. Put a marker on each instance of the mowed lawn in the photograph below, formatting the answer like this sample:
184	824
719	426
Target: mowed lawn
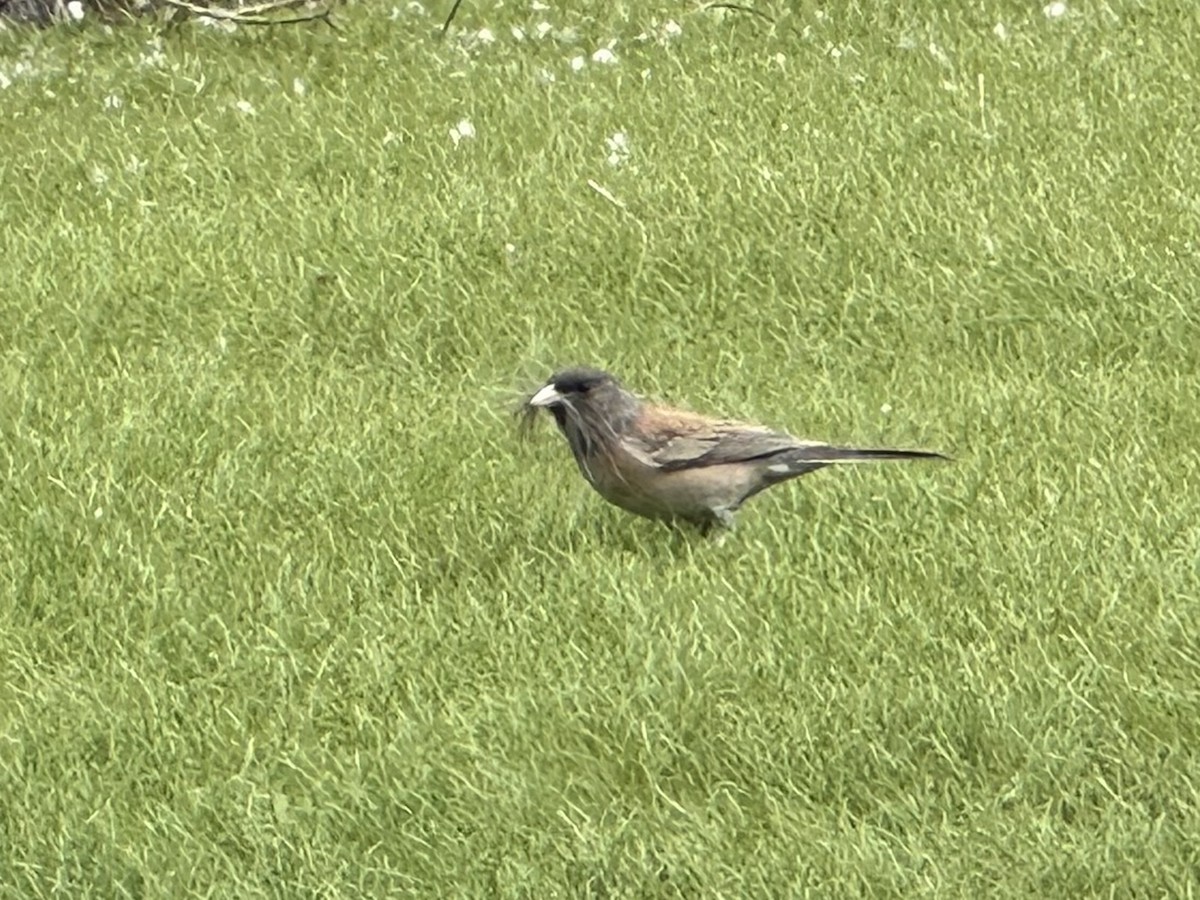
288	610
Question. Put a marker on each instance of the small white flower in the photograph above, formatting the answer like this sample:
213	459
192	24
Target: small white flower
98	512
463	131
780	60
671	30
1054	10
618	148
541	29
939	54
245	107
510	248
518	33
577	63
416	8
485	36
152	55
886	408
135	166
299	88
604	56
1001	31
538	6
113	101
391	138
75	10
99	176
5	81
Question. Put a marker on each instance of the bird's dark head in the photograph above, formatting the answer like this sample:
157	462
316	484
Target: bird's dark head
589	406
582	385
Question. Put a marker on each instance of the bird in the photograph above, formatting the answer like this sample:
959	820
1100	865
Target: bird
674	465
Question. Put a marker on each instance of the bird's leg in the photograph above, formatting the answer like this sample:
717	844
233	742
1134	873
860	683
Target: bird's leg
721	517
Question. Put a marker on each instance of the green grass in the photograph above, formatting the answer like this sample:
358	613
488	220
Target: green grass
287	610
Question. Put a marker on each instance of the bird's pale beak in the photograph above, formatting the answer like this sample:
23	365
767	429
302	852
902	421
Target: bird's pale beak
547	396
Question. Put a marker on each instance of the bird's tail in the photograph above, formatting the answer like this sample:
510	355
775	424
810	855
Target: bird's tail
797	461
826	454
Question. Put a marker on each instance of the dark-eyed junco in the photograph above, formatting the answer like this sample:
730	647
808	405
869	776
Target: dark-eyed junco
670	464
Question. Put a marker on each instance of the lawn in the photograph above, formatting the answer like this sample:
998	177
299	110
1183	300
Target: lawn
287	609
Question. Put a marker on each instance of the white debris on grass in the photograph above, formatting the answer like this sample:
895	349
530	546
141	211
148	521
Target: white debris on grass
618	149
661	34
152	55
943	59
463	131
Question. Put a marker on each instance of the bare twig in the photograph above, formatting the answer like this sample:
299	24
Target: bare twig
255	13
620	204
450	18
737	7
606	194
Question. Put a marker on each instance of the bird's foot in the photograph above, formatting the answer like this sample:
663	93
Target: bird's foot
722	519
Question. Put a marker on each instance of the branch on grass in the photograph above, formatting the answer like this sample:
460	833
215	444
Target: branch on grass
450	18
255	13
737	7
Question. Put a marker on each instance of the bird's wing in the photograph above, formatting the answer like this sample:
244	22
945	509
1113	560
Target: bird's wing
681	441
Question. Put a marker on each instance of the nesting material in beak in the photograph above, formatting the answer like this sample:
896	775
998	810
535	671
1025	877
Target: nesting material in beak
546	396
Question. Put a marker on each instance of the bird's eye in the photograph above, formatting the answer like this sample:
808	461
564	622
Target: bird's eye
575	382
573	387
